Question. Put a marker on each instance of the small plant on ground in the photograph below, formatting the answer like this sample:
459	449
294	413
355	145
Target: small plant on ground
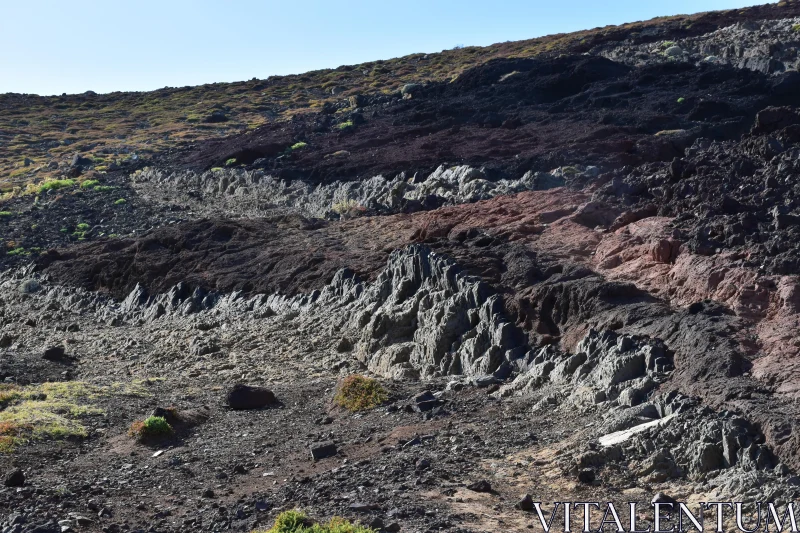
102	188
358	393
54	185
6	214
81	230
298	522
681	100
18	251
348	208
90	184
796	27
299	146
151	428
345	125
231	161
121	201
44	411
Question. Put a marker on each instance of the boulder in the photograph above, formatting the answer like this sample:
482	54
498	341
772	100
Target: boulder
323	450
248	397
14	478
54	353
525	503
480	486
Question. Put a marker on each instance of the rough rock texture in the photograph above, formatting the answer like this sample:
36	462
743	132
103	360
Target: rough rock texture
767	46
255	193
643	295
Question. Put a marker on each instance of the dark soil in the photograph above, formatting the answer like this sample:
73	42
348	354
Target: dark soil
546	113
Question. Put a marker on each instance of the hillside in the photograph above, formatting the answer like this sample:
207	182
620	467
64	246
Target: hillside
39	136
419	294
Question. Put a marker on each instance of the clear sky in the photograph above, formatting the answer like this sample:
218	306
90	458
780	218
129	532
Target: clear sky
57	46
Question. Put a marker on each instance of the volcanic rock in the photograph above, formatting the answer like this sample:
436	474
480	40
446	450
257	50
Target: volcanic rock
242	396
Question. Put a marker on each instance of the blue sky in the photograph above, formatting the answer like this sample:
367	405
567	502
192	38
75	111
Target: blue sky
57	46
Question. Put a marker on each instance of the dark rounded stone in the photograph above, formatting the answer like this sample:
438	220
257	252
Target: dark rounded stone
247	397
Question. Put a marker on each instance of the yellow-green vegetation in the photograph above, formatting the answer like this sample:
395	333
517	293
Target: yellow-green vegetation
298	522
19	250
348	208
90	184
345	125
231	161
45	411
358	393
120	201
102	188
81	230
681	100
6	214
54	410
299	146
54	185
796	27
151	428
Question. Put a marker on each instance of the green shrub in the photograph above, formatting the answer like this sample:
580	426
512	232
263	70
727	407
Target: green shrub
54	185
299	146
89	184
83	226
298	522
681	100
120	201
18	251
231	161
796	27
345	125
152	428
102	188
6	214
358	393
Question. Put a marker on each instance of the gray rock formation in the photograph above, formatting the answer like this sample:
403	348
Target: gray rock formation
255	193
768	46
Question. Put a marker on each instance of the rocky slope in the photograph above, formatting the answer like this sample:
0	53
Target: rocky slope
576	276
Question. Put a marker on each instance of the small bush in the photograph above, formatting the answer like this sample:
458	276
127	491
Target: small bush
152	428
6	214
796	27
231	161
89	184
358	393
83	226
121	201
102	188
298	522
348	209
345	125
54	185
9	393
681	100
18	251
299	146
